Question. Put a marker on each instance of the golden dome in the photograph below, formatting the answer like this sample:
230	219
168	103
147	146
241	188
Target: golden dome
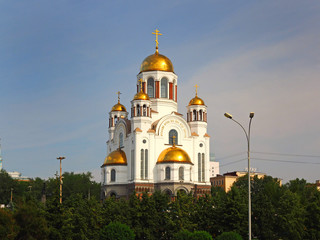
196	101
118	107
141	96
156	62
117	157
174	155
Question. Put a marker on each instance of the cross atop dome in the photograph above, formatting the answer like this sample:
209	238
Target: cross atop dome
157	33
118	96
196	86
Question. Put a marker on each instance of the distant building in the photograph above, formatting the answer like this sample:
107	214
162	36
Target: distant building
17	176
214	167
226	180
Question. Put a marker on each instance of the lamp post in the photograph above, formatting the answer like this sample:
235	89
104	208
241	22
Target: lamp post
60	158
251	115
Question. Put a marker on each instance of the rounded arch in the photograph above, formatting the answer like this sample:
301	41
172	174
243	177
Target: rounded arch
181	190
168	192
173	121
112	194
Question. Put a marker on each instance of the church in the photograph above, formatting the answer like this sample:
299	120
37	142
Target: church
156	148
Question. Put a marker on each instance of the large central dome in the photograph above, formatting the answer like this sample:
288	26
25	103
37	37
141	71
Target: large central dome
174	155
156	62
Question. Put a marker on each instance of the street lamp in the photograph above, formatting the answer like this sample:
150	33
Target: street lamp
251	115
60	158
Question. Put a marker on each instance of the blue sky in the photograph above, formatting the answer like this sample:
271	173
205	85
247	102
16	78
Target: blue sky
62	62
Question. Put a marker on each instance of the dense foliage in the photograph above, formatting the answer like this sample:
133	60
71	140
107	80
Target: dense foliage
291	211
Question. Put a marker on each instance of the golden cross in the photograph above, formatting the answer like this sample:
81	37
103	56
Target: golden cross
157	33
118	96
196	86
173	141
140	80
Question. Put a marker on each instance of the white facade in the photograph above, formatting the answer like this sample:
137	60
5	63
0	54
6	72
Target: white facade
150	130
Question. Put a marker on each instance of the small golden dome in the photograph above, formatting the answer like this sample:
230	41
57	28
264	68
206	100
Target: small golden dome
174	155
156	62
117	157
196	101
118	108
141	96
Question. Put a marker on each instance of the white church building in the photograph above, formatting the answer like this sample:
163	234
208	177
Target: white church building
156	148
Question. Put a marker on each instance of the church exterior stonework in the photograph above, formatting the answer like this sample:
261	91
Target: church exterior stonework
157	148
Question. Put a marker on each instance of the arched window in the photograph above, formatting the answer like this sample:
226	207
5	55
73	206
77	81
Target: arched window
146	164
168	192
200	115
199	167
113	175
121	140
172	133
164	88
194	115
181	173
202	168
142	164
138	110
144	110
168	173
150	85
104	175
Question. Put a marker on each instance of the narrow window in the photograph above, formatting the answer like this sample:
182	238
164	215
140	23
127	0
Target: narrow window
138	110
144	110
202	168
181	173
168	173
142	165
121	140
172	133
164	88
199	167
132	164
104	176
200	115
113	175
194	115
146	164
150	85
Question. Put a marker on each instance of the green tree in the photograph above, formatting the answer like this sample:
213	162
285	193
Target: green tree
31	222
235	211
116	231
181	212
313	215
229	236
7	225
182	235
266	193
6	183
201	235
290	217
